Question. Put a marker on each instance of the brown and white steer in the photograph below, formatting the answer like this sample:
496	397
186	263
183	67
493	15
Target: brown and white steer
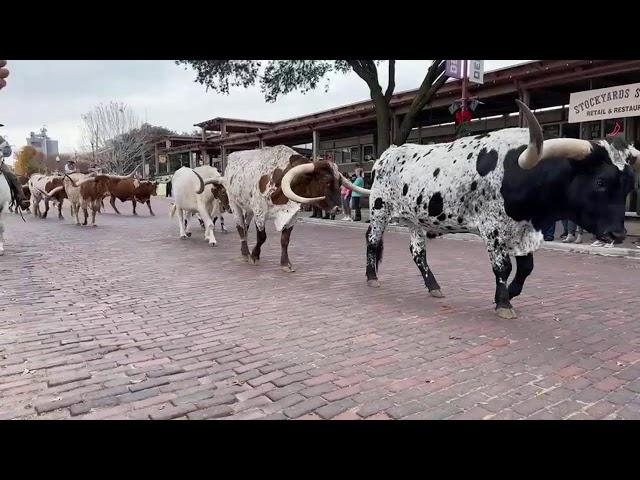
130	189
85	191
55	184
273	182
39	185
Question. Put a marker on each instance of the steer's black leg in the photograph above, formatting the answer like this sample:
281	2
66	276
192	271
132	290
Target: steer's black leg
285	264
262	237
502	270
418	251
524	266
375	246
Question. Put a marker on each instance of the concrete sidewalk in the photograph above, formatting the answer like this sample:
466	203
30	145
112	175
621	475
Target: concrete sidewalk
627	250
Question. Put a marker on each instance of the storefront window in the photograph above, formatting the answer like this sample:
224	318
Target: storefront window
367	152
613	126
355	154
342	155
591	130
571	130
551	131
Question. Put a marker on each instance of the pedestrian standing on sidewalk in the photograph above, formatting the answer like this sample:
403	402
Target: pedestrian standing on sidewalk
573	232
549	231
355	196
345	193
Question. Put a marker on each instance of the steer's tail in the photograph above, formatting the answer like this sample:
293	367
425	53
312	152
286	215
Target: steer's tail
172	210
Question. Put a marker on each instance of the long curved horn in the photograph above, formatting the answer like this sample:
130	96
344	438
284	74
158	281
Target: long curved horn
122	177
201	182
215	181
73	183
571	148
353	187
290	176
54	191
86	180
533	154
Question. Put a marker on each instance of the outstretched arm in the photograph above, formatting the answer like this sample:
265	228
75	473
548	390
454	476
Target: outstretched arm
4	73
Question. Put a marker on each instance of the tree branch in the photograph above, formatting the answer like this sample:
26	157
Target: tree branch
392	80
433	81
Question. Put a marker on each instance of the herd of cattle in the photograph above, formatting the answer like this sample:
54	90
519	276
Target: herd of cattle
503	186
86	192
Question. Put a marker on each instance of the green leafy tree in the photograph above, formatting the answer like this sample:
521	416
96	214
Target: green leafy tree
280	77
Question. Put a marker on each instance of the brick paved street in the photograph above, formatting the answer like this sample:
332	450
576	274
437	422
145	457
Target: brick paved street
127	321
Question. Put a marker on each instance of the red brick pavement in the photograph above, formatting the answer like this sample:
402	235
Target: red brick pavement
127	321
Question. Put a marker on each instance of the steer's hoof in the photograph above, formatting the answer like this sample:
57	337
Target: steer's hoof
287	268
253	261
188	234
212	244
1	253
436	293
373	283
183	237
242	258
506	313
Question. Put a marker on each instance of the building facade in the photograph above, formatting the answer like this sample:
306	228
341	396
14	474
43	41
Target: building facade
42	143
571	98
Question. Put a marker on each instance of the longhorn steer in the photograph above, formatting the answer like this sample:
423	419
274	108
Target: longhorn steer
85	191
39	185
273	182
129	189
193	195
503	186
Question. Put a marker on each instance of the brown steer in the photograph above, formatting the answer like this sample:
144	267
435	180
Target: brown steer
130	189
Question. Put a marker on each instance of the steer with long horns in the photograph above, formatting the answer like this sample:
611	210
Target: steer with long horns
39	185
84	191
273	182
504	186
200	190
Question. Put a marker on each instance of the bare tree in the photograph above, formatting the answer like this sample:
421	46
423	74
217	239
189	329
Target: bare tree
115	137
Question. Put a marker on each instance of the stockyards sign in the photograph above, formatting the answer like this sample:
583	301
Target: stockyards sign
612	102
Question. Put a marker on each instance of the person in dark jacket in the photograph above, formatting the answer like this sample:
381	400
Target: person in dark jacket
12	179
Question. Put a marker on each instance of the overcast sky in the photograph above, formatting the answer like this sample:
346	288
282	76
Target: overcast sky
56	93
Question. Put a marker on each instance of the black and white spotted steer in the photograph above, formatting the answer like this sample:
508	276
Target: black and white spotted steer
503	186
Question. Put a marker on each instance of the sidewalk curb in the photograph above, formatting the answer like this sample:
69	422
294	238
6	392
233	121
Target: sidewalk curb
557	246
